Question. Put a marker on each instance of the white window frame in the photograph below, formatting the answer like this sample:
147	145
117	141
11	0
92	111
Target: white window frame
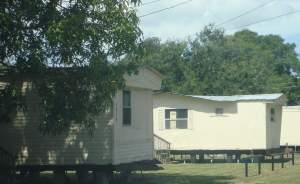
168	119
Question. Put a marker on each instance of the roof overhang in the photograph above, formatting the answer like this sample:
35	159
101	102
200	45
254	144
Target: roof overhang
267	98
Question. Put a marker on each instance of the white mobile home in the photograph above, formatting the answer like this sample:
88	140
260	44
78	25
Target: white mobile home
122	135
245	122
290	129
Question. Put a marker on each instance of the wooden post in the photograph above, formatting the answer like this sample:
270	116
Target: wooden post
201	157
193	158
100	177
32	177
293	158
282	161
259	167
272	163
59	176
82	175
246	169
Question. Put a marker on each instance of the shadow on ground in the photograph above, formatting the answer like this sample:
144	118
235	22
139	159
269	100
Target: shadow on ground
163	178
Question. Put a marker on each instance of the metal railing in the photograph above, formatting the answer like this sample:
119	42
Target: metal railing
161	149
160	143
279	158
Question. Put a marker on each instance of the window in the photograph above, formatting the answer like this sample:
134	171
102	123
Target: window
219	111
126	108
176	119
272	116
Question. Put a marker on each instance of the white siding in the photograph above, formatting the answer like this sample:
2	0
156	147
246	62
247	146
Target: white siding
112	143
273	127
145	79
77	146
290	133
135	142
242	126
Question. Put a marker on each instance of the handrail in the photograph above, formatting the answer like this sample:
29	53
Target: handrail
161	149
161	138
7	153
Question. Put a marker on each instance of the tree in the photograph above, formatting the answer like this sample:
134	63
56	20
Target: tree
217	64
70	50
166	57
245	63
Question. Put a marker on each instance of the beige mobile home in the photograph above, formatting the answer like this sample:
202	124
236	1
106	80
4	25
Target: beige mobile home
240	123
123	135
290	129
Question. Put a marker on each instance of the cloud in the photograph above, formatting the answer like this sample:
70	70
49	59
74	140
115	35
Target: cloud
190	18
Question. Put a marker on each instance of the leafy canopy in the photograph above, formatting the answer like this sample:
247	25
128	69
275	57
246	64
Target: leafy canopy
213	63
70	50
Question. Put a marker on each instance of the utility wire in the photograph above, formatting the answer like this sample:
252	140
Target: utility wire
267	19
245	13
147	3
161	10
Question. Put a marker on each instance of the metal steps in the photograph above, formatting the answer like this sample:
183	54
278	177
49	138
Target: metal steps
161	149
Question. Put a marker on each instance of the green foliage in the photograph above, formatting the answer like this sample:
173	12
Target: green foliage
70	51
166	58
217	64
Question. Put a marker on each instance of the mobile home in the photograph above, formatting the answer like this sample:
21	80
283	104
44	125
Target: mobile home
245	123
123	135
290	129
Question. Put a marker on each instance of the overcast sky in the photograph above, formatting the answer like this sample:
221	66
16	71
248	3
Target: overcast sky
188	19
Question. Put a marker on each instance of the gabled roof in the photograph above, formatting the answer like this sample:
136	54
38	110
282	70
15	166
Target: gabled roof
146	78
155	71
234	98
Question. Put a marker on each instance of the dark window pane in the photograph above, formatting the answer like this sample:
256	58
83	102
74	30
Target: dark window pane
167	124
127	116
167	113
272	114
181	113
126	99
219	110
181	124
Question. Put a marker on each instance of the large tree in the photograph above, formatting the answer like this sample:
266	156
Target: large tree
213	63
244	63
70	51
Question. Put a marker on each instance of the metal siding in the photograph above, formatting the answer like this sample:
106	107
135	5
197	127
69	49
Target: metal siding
22	138
242	126
135	142
290	125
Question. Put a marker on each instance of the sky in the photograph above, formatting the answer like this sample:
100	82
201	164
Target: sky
187	19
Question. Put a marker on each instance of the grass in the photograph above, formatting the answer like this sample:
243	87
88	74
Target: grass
225	173
205	173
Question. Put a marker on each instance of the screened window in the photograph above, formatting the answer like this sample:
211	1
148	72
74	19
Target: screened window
126	108
272	116
176	119
219	111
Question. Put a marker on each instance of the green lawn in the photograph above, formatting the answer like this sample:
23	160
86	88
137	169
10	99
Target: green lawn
219	174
